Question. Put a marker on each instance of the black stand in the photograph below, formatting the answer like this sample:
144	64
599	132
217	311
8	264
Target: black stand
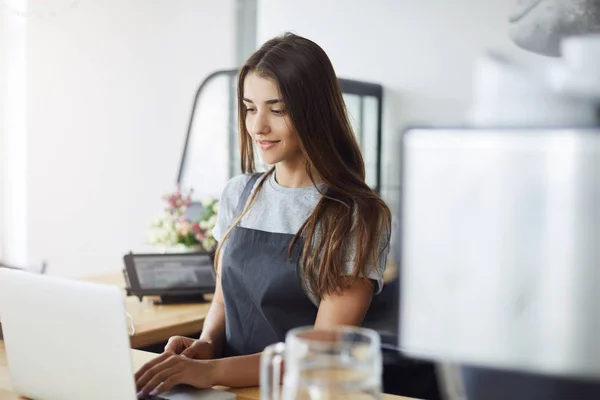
180	299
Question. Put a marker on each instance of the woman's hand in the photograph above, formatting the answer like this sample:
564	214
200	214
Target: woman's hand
197	349
168	370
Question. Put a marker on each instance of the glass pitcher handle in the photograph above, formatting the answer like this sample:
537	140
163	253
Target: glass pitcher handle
271	366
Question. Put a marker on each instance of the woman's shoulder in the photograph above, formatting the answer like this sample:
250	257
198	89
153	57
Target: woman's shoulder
237	183
235	186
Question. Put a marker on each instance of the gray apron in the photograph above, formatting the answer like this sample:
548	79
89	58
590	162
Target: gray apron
262	288
264	298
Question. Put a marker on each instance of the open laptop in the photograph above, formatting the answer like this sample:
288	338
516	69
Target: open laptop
69	340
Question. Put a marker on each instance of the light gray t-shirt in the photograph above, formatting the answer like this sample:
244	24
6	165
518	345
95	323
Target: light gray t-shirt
280	209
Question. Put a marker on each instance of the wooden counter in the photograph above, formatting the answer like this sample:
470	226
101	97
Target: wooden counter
139	358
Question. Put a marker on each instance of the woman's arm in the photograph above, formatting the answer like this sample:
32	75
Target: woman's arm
213	331
172	367
346	308
210	343
235	372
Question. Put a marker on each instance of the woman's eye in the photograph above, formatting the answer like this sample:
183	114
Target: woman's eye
249	109
277	112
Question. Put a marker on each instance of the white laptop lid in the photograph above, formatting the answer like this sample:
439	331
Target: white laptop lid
500	262
65	339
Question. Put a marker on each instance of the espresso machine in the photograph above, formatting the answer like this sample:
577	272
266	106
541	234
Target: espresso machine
500	222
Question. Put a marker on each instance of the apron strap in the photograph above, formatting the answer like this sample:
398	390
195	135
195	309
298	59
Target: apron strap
246	193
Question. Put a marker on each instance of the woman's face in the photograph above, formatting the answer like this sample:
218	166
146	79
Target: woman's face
268	123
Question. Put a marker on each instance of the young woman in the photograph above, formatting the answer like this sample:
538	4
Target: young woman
305	243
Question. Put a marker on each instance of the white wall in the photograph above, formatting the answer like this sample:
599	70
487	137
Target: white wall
2	103
110	87
13	157
421	51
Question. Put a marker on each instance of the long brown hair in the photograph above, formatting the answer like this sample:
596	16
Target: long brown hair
349	208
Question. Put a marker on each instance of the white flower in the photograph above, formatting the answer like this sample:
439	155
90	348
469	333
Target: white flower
171	237
153	237
212	221
207	201
183	228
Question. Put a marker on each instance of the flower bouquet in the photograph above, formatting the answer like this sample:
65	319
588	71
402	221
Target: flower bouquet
176	232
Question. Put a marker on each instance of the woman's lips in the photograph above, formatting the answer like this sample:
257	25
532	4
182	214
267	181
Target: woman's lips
267	144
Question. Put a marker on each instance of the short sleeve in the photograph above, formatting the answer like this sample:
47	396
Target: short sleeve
228	203
374	272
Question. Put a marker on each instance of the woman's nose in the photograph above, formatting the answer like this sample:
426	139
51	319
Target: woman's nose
259	125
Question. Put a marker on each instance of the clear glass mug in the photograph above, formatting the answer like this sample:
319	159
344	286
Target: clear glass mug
341	363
